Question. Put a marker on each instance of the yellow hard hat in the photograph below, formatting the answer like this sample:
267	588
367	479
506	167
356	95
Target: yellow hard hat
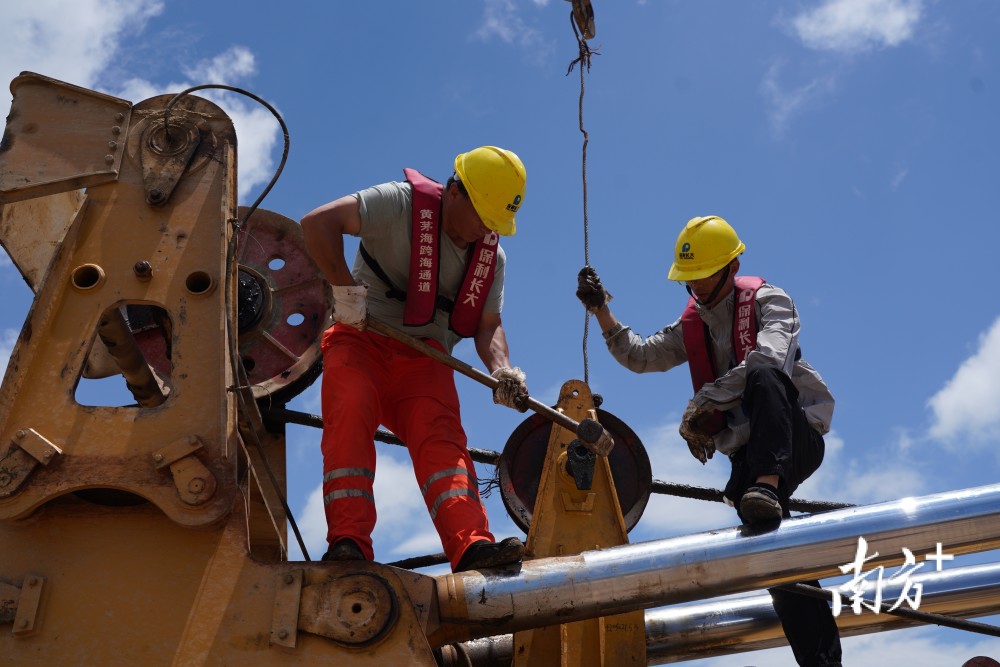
495	180
704	246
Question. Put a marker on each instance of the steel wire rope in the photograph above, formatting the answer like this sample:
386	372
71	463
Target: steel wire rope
234	357
584	61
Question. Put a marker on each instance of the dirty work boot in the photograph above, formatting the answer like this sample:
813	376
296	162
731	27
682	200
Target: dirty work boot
343	549
485	554
760	503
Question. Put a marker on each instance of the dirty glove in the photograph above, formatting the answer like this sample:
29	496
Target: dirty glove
590	291
350	305
701	444
512	391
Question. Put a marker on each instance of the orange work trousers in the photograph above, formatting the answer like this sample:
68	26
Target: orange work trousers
368	380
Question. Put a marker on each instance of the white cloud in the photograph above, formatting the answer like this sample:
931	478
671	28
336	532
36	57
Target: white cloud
898	176
229	66
71	41
969	404
785	103
7	339
502	19
78	42
854	26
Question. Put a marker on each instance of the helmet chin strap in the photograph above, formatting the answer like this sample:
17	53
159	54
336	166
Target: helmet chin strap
715	292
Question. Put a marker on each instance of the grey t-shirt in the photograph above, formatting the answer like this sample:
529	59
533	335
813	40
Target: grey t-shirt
385	232
777	347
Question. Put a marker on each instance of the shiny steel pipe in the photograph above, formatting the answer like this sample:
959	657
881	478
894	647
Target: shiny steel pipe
748	622
549	591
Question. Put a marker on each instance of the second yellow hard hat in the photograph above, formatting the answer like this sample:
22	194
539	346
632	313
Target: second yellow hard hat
704	246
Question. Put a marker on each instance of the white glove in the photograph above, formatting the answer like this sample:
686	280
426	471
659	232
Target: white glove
350	305
512	391
701	444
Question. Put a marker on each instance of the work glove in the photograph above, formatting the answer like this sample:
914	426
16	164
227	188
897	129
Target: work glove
701	444
350	305
512	391
590	291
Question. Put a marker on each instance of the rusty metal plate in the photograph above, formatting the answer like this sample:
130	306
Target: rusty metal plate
285	304
523	456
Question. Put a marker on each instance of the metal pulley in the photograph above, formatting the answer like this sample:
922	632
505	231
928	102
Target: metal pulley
521	461
284	305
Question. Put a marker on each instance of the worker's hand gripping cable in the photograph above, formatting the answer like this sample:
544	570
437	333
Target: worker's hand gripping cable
591	293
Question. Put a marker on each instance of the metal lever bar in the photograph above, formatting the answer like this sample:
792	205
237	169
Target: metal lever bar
591	433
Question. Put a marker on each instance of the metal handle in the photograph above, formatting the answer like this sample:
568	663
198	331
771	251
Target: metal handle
590	432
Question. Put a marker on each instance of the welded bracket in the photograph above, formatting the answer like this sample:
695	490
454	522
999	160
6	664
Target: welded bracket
20	605
26	450
195	483
285	620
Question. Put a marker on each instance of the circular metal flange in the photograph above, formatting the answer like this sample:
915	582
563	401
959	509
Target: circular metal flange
285	305
523	456
363	612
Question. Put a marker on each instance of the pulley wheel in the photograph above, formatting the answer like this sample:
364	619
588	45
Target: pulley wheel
284	305
524	455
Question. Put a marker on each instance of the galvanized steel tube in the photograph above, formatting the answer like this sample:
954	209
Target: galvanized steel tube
748	622
550	591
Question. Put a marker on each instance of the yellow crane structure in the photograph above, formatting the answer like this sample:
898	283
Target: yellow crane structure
154	533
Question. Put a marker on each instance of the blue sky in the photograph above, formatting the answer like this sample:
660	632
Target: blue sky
852	143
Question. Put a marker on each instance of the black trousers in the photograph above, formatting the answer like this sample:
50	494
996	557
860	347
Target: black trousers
783	443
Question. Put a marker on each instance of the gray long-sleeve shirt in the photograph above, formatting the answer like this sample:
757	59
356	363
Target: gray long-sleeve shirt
777	345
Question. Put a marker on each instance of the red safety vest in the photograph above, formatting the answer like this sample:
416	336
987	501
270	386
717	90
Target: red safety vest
422	289
697	341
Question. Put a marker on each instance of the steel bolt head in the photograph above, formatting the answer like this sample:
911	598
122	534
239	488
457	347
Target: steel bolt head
282	634
143	270
20	434
289	579
157	457
196	485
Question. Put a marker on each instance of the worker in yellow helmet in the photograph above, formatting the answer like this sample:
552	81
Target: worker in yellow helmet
429	262
755	399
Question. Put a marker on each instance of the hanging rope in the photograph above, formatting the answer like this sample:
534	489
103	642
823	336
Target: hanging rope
584	61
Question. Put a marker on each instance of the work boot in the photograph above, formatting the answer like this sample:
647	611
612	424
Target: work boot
485	554
344	549
760	504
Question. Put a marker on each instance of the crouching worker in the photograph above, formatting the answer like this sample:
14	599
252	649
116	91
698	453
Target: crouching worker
429	263
755	399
